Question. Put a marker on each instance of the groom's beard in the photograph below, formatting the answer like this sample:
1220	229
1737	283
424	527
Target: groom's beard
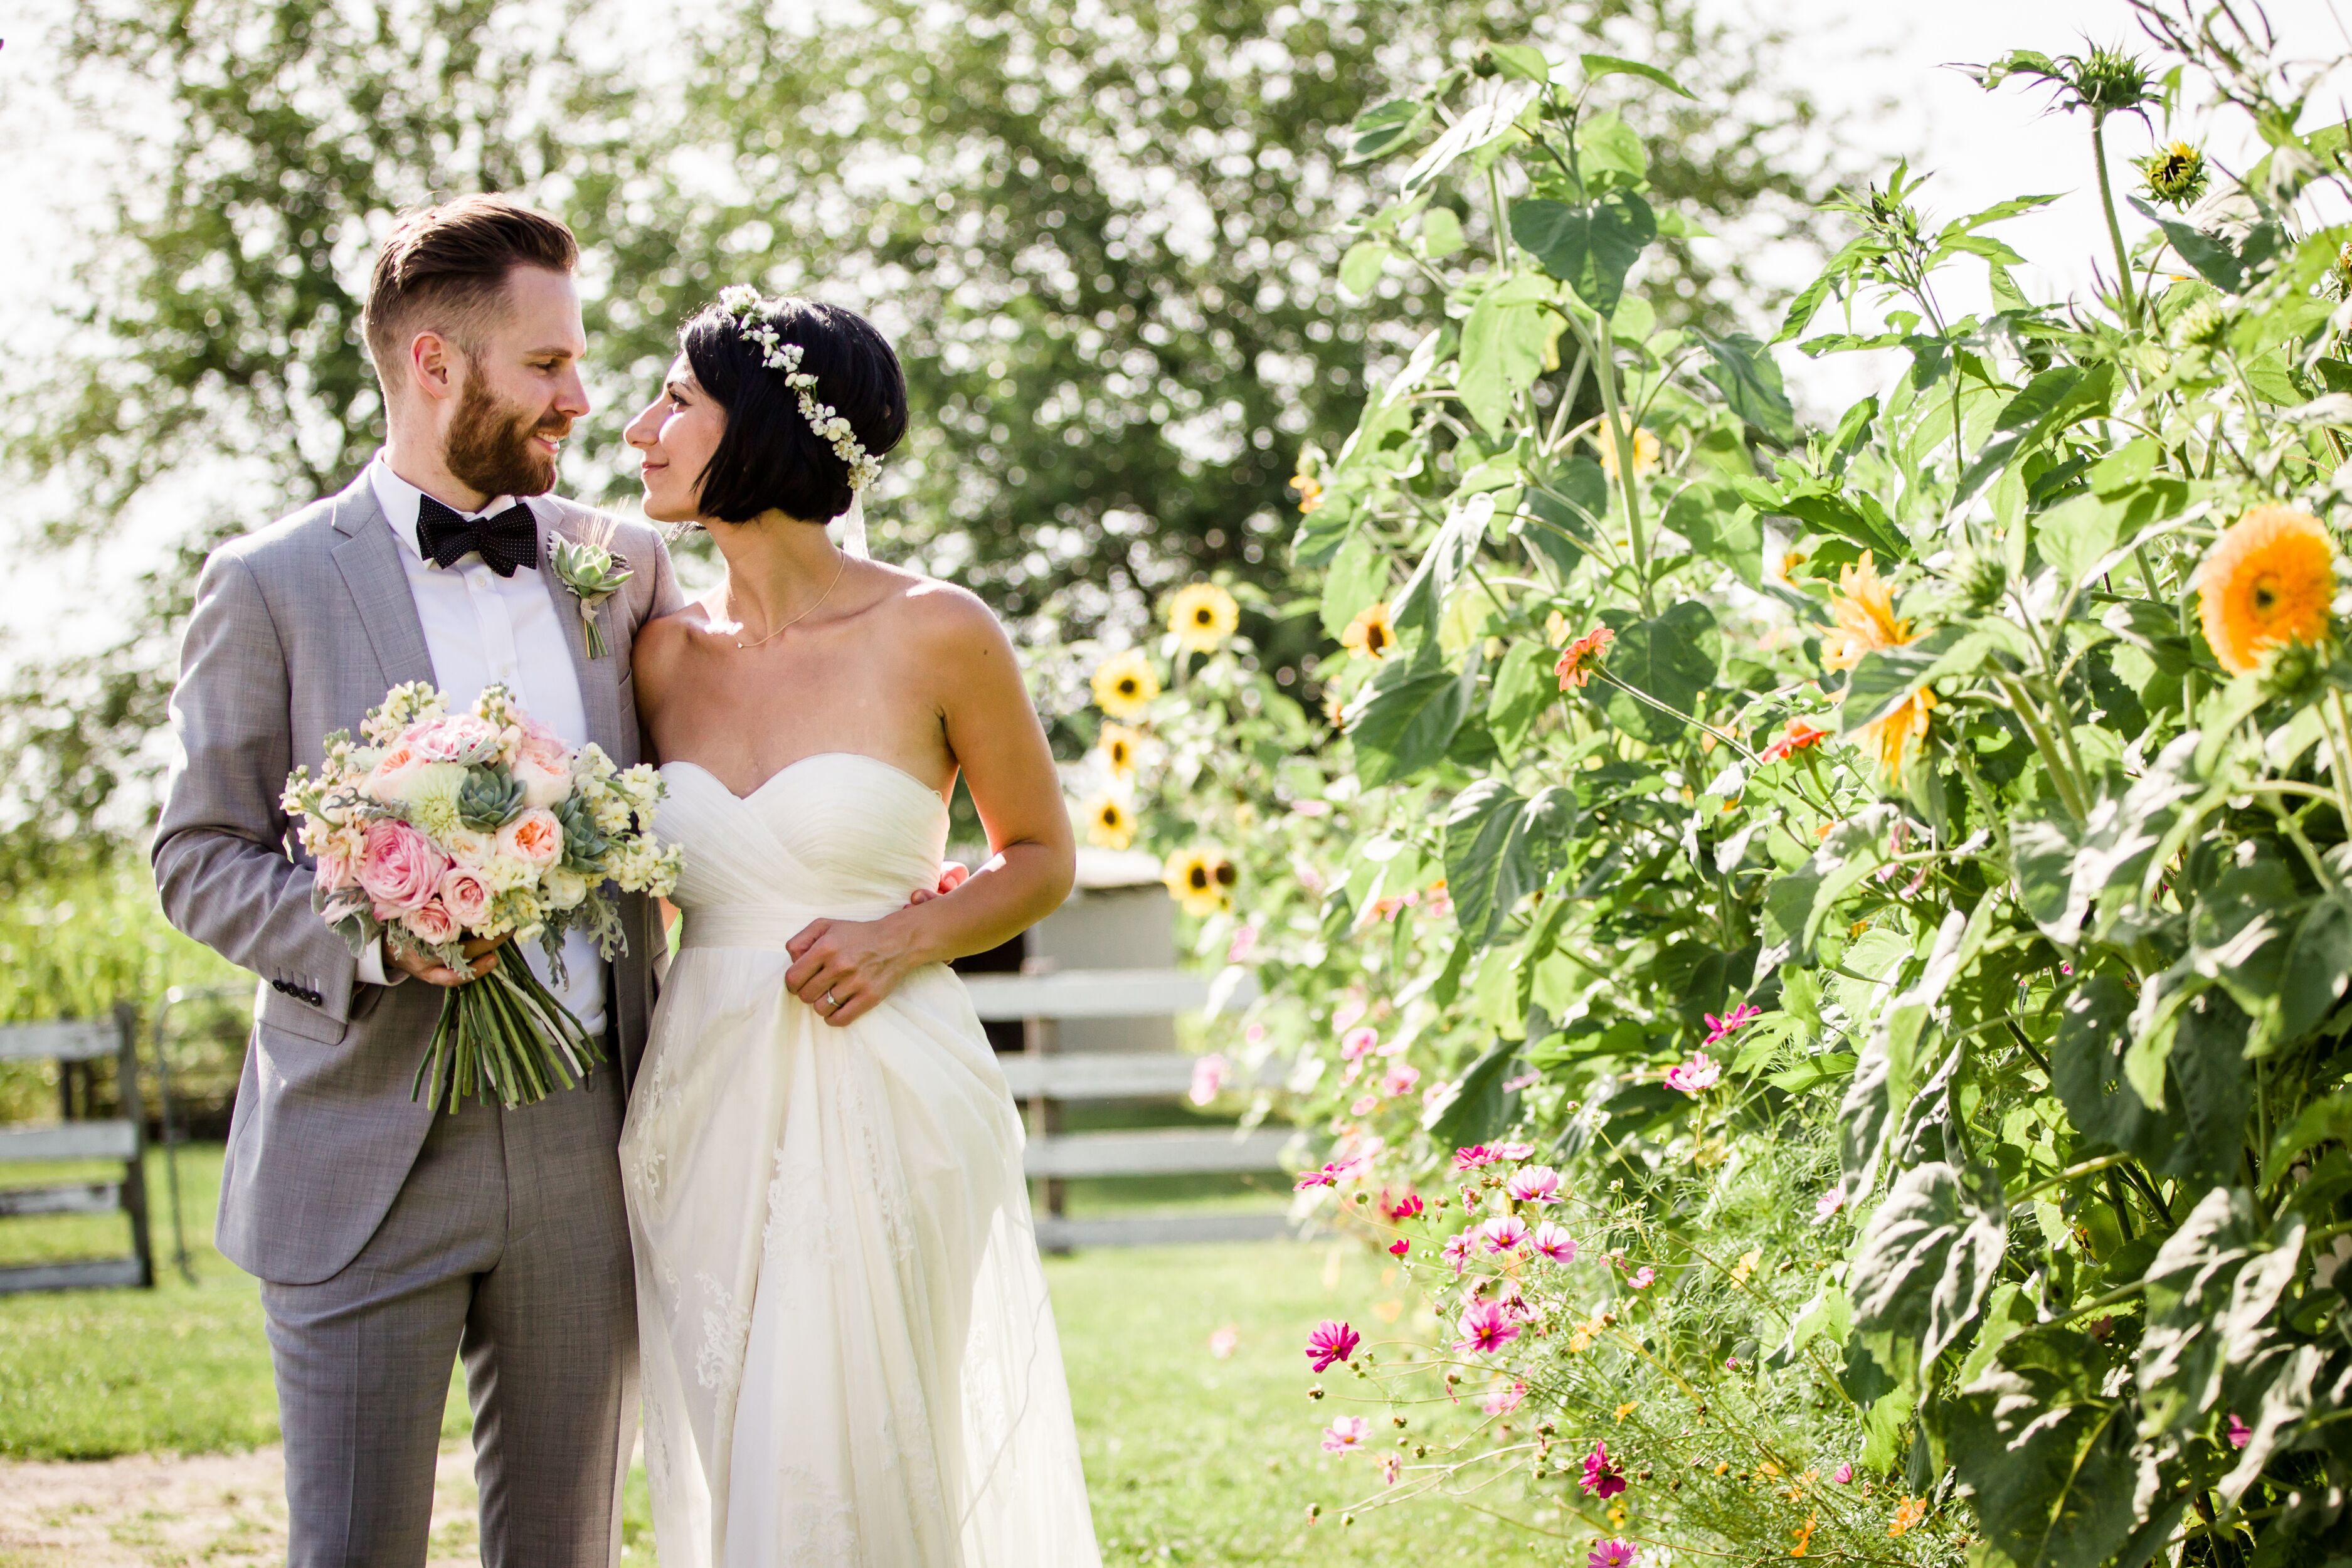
490	447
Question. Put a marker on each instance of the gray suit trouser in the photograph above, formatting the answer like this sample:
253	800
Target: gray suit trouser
508	1244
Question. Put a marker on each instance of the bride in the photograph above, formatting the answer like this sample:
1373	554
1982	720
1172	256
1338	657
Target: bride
848	1356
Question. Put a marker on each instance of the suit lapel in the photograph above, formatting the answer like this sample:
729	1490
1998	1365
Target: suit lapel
369	559
600	678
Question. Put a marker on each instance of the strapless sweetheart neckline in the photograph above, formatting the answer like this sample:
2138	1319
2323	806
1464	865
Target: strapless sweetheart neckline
762	787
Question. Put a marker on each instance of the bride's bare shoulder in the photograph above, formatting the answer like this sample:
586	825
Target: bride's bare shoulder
940	615
661	643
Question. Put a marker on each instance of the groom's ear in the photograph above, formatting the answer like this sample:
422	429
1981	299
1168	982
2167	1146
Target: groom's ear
433	366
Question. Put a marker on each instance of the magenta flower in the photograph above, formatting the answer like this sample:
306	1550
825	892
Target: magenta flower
1356	1044
2239	1433
1473	1157
1504	1400
1405	1208
1331	1341
1553	1241
1399	1248
1391	1467
1458	1251
1603	1478
1720	1029
1614	1552
1534	1184
1844	1474
1513	1151
1697	1075
1401	1080
1325	1177
1503	1233
1346	1433
1486	1327
1642	1277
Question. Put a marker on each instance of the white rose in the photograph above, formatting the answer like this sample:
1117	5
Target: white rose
544	782
563	888
470	848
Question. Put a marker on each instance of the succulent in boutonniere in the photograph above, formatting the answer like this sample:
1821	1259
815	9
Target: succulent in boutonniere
593	575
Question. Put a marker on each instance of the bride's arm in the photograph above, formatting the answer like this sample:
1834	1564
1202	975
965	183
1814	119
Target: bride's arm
995	736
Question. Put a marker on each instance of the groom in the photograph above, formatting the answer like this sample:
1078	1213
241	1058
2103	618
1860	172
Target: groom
388	1239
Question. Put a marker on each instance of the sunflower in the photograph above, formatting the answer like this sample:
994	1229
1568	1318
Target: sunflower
1893	735
1119	747
1125	684
2269	580
1110	825
1202	615
2174	173
1645	451
1864	608
1310	487
1201	881
1369	634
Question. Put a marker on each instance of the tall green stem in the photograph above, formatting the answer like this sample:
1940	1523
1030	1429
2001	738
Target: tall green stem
1621	441
2114	229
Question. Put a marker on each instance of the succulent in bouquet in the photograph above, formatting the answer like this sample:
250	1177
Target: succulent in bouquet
436	829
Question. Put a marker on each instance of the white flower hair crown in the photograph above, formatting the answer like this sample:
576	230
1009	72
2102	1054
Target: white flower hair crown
742	302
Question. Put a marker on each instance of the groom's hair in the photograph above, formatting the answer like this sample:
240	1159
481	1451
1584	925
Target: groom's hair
445	268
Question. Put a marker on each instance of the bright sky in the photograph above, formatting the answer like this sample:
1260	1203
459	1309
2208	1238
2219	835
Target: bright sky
1878	63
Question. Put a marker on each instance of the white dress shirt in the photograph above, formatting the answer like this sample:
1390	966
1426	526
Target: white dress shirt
482	628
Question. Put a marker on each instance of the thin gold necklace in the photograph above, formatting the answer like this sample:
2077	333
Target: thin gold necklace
804	614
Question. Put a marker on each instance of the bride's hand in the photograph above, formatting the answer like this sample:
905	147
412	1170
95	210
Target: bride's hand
844	968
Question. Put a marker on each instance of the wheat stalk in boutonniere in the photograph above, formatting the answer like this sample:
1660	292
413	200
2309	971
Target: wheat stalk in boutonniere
593	575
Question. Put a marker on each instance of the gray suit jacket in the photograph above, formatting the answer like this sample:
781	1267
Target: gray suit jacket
298	631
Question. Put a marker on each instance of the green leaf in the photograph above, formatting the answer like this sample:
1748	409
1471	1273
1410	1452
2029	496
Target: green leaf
2075	535
2213	1293
1503	347
2208	1065
1456	544
1927	1259
1482	1107
1589	248
1355	580
2328	1120
1721	527
1673	658
1405	720
1488	119
1385	127
1486	866
1523	689
1359	269
1523	60
1744	372
1795	905
1440	233
2050	1462
2318	966
1609	152
2086	1070
2229	265
1597	66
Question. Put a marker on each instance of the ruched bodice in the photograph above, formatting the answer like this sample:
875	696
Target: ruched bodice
848	1359
839	833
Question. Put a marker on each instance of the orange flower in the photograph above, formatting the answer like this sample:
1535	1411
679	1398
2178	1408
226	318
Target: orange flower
2268	580
1369	634
1864	608
1575	666
1908	1515
1893	735
1645	451
1794	737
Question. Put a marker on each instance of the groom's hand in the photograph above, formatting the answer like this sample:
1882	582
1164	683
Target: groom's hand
953	874
482	951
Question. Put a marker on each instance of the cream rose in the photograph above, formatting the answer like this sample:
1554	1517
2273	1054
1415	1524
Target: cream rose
564	889
534	838
545	779
469	846
392	772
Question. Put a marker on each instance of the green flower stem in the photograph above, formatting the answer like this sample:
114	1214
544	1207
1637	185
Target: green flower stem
2108	204
1621	439
1640	695
2339	745
2061	775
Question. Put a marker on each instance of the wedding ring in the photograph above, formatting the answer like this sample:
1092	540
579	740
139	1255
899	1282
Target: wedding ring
830	1004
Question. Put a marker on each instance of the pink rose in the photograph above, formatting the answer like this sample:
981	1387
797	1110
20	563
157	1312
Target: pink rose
545	779
393	770
535	837
458	737
402	868
336	872
465	896
431	922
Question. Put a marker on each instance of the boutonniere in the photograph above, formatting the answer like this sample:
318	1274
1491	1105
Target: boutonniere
593	575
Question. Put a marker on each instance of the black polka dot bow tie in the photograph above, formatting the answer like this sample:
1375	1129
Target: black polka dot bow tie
504	542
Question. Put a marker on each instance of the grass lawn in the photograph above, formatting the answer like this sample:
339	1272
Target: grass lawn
1191	1457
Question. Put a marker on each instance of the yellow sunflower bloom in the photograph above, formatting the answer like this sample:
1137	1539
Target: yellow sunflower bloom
2269	580
1202	615
1645	451
1110	825
1200	880
1125	684
1310	487
1120	748
1369	634
1863	609
1893	735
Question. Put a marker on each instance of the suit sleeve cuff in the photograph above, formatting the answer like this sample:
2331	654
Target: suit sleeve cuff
371	968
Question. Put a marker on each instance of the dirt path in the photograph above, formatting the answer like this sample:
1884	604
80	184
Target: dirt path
221	1510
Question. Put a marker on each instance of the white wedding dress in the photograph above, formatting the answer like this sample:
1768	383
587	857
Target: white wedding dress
848	1356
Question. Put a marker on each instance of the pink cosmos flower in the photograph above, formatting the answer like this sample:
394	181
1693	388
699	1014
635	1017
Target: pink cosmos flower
1458	1251
1401	1080
1364	1105
1553	1241
1504	1400
1356	1044
1344	1015
1349	1166
2239	1433
1322	1177
1330	1341
1720	1029
1254	1034
1829	1203
1534	1184
1486	1327
467	896
1391	1467
1209	1077
430	923
1345	1435
1513	1151
401	869
1244	943
1223	1341
1642	1277
1503	1233
1603	1476
1697	1075
1615	1553
1399	1248
1525	1081
1403	1208
1844	1474
1476	1156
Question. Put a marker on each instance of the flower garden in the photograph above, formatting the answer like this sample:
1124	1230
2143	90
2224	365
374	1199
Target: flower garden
1823	952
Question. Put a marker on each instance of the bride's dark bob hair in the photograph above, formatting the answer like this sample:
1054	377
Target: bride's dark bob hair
770	458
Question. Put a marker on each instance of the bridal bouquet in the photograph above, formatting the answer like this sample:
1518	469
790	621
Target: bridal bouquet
444	827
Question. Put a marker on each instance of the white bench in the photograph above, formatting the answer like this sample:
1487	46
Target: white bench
69	1041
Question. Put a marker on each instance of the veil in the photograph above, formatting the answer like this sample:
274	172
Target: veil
851	537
